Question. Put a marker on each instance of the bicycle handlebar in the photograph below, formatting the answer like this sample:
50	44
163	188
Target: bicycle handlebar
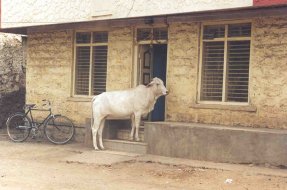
47	102
35	107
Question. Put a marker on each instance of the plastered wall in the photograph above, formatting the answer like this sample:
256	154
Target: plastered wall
17	13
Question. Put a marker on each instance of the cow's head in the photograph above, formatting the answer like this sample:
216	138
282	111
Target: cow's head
157	85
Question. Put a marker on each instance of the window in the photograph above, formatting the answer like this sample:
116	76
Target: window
91	51
148	34
225	62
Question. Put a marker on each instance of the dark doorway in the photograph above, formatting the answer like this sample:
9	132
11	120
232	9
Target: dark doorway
153	61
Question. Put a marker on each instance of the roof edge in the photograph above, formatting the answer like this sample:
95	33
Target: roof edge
197	16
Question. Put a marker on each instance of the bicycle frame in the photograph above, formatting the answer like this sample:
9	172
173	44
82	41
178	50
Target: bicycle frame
34	123
52	125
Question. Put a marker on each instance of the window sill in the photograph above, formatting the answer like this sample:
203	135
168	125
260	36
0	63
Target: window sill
80	99
245	108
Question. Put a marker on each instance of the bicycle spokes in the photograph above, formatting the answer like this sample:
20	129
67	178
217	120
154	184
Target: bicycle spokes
59	129
18	127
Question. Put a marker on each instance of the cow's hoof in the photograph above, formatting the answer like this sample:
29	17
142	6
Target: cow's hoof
137	139
96	147
131	138
103	148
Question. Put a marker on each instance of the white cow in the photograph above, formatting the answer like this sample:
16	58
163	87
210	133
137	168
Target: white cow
131	103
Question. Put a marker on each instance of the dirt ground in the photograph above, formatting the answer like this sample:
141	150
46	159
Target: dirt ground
44	166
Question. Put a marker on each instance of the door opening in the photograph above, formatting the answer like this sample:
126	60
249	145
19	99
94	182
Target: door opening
152	63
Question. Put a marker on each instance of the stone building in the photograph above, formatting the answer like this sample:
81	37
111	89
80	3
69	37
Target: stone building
224	63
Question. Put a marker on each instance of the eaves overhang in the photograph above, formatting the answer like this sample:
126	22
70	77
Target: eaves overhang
223	14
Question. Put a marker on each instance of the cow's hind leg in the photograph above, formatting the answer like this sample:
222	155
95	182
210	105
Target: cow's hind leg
137	124
133	127
100	133
95	128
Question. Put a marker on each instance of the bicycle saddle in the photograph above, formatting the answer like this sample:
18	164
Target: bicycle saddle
28	106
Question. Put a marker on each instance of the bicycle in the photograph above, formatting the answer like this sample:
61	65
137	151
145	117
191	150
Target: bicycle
58	129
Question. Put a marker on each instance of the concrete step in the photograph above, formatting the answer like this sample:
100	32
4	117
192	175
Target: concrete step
125	146
124	134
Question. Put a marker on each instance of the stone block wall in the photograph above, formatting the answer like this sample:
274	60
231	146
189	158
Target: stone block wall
120	53
12	75
50	64
182	67
49	74
269	71
268	77
50	68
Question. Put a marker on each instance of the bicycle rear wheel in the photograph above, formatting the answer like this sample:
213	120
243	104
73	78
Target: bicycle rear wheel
18	127
59	129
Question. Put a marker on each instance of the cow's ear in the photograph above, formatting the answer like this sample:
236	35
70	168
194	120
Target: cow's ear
150	84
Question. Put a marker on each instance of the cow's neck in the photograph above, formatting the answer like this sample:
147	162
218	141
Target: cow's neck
151	100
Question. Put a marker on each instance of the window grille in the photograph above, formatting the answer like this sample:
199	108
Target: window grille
211	32
144	34
83	37
238	71
82	70
239	30
212	78
225	63
100	37
91	63
160	33
100	69
148	34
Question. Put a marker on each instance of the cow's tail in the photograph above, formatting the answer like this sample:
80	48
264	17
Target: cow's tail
92	118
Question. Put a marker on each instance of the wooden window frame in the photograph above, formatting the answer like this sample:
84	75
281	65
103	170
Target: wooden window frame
136	69
91	44
151	41
225	40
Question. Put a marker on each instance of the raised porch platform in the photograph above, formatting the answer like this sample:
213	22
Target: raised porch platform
202	142
217	143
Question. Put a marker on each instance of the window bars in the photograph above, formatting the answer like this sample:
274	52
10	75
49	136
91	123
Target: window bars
225	62
91	51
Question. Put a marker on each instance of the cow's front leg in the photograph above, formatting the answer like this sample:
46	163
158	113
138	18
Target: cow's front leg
133	127
100	133
137	123
95	128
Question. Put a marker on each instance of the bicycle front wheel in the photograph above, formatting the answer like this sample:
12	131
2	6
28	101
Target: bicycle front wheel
18	127
59	129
